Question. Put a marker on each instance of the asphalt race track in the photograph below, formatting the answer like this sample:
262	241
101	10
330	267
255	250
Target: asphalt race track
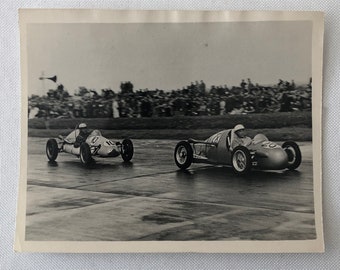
150	199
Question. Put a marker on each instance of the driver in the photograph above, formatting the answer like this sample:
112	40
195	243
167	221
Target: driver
82	136
238	137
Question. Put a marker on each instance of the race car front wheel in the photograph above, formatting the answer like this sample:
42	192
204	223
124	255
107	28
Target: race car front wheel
85	154
127	150
294	154
183	155
241	160
52	149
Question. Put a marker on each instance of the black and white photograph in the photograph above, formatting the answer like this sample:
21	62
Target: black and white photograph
150	132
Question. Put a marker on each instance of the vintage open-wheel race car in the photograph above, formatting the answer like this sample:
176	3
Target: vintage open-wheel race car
95	145
259	154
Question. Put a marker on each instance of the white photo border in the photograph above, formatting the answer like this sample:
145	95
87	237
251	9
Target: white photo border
28	16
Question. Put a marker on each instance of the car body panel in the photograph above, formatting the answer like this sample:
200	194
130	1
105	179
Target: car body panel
214	149
99	145
265	154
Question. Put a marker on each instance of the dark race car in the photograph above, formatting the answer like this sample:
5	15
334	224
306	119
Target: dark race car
260	153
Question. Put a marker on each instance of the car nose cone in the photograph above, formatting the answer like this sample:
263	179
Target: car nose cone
276	159
279	158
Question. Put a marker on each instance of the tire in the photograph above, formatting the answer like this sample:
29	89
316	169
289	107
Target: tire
127	150
52	149
183	155
85	154
241	160
294	154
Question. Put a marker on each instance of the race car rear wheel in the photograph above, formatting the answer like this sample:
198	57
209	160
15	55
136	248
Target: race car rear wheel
85	154
183	155
52	149
294	154
127	150
241	160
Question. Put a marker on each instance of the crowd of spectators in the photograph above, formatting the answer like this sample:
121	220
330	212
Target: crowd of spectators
194	99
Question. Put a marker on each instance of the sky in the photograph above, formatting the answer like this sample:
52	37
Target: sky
167	55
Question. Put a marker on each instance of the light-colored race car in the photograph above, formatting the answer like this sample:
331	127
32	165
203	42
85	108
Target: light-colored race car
95	145
260	153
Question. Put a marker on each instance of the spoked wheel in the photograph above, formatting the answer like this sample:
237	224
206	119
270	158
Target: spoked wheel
85	154
294	154
127	150
241	160
183	155
52	149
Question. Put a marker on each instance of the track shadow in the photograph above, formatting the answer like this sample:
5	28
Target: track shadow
52	163
185	175
223	173
128	164
97	165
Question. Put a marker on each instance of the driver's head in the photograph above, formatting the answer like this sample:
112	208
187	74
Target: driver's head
239	131
82	127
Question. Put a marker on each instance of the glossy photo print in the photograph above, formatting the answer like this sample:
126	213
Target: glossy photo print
148	131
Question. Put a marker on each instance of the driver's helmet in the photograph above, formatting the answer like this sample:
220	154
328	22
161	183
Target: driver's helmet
238	127
82	126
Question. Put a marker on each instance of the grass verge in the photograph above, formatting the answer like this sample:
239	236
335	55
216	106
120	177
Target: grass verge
251	121
277	134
